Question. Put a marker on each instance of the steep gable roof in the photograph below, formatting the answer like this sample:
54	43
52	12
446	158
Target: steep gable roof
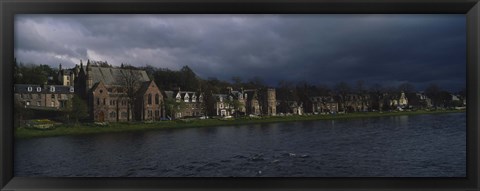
112	76
144	87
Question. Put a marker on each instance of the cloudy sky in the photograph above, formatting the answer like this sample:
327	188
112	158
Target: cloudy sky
321	49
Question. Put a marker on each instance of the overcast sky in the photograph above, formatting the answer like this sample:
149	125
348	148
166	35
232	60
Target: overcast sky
326	49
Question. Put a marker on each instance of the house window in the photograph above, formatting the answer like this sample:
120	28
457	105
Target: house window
104	100
124	114
72	89
53	96
98	101
53	104
149	99
52	88
149	113
39	89
29	89
68	83
21	96
157	99
157	113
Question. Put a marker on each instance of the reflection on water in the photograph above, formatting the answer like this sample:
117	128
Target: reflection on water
400	146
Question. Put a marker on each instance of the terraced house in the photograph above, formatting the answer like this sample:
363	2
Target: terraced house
46	97
188	103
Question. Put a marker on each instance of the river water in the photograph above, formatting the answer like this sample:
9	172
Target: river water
399	146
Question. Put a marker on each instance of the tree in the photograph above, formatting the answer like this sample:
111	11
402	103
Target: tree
33	74
255	83
77	109
237	82
323	90
406	87
188	79
235	104
342	89
433	92
130	83
20	113
362	91
172	107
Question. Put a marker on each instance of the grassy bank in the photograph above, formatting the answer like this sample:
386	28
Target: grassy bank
90	128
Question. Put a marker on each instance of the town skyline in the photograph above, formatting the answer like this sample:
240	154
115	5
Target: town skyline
385	49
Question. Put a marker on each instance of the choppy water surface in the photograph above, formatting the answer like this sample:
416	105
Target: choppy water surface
401	146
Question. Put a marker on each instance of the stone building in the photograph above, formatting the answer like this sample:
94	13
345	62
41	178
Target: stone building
222	106
249	102
225	106
399	101
356	102
67	77
118	94
270	103
190	103
54	97
323	104
252	103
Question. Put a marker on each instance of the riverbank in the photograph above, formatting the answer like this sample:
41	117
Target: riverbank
91	128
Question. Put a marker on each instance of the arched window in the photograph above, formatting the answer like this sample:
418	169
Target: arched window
149	99
157	99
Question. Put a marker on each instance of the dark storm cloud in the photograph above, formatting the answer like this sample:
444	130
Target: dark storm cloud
386	49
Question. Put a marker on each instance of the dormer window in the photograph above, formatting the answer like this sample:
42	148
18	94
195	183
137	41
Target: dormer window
52	88
194	98
29	89
39	89
200	99
72	89
186	98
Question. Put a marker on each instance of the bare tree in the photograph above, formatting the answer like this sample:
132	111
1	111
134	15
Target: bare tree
342	89
130	83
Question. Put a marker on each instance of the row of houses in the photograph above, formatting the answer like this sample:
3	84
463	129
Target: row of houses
118	94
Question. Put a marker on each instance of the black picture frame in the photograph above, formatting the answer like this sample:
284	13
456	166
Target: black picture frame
9	8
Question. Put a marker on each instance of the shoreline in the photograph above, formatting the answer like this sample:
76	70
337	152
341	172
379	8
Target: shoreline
91	128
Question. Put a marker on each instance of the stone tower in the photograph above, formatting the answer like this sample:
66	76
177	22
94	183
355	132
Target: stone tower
271	102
